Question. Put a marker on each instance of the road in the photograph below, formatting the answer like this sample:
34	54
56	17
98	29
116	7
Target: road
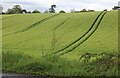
13	75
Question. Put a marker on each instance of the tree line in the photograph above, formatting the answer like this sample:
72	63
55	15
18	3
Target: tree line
16	9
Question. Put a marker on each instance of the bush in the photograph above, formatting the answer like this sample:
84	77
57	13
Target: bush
102	64
36	11
84	10
62	11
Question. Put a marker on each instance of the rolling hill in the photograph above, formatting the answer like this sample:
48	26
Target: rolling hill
68	35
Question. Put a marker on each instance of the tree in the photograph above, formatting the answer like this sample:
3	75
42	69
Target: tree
10	11
105	10
17	9
29	12
24	11
62	11
91	10
116	7
84	10
52	10
36	11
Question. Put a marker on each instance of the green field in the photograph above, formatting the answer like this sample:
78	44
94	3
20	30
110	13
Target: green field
52	44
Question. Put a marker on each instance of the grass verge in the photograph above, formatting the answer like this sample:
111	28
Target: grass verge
102	64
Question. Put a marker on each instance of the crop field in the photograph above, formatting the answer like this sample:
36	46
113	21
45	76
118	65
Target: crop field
62	44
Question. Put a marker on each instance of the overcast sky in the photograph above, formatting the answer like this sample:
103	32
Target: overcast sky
66	5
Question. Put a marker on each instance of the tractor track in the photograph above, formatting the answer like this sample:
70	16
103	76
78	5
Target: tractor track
60	24
81	36
46	34
37	23
85	38
33	25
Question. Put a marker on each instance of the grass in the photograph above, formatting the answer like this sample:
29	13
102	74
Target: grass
89	64
101	40
47	33
83	38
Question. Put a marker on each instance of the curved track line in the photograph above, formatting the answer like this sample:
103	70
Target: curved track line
81	36
33	25
85	38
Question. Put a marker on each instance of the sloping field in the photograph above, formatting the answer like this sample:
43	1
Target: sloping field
52	32
87	42
105	38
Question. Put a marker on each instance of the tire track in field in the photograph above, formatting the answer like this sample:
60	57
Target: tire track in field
37	23
60	24
46	34
86	37
81	36
33	25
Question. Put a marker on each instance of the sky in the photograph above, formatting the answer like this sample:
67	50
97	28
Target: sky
65	5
